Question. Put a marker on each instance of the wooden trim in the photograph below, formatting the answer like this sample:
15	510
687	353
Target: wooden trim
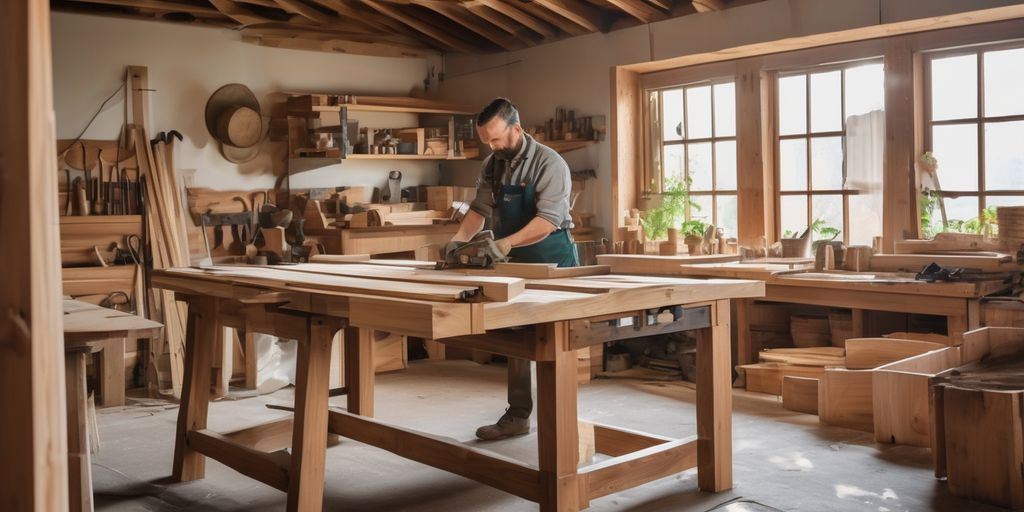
32	395
754	154
627	158
637	468
252	463
502	342
489	469
899	179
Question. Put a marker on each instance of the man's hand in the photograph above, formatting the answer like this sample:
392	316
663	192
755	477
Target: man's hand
504	245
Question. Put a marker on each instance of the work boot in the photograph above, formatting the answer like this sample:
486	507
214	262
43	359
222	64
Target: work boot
507	426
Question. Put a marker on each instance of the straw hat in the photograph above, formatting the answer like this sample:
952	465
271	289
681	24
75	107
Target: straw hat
234	118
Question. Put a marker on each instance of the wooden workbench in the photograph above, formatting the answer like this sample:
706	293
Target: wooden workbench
310	305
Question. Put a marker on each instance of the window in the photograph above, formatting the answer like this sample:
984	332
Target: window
975	129
829	152
696	141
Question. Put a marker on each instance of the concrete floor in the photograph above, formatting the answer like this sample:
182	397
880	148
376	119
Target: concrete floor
783	460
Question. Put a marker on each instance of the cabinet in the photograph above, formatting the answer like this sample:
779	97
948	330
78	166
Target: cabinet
323	129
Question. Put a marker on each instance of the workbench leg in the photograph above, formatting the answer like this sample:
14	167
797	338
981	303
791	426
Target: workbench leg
359	371
309	434
714	402
250	357
557	434
112	372
200	337
745	354
79	467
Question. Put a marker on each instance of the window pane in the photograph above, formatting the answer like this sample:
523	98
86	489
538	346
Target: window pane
792	105
701	208
1004	201
865	89
727	214
673	158
700	166
672	114
1004	73
827	163
698	112
793	164
956	149
828	212
725	110
725	165
826	102
865	218
1004	156
958	210
794	215
954	84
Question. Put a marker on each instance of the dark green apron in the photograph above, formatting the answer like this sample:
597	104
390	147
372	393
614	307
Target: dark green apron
517	206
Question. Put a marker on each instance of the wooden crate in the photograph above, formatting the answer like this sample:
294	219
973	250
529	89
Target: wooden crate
902	414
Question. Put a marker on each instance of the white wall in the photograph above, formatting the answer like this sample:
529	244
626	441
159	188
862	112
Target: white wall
186	64
576	73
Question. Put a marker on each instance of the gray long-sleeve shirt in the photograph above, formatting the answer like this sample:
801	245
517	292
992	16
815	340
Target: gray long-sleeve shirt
534	164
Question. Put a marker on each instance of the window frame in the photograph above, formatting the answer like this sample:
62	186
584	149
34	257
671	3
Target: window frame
980	119
808	136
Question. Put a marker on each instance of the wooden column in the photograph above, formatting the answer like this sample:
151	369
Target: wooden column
714	402
755	143
899	210
33	433
557	434
309	435
200	336
359	371
627	145
79	468
112	372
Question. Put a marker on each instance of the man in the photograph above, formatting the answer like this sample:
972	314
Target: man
524	191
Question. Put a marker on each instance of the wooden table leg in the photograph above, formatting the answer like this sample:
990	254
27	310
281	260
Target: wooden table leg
557	434
309	434
112	373
359	372
200	336
79	467
714	402
745	353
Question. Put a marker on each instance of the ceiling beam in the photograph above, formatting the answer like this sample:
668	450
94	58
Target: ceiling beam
640	10
664	4
708	5
337	45
306	11
239	13
580	13
528	21
158	5
503	22
460	15
559	22
421	26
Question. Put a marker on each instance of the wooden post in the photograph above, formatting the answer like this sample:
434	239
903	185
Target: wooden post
112	372
33	433
200	336
79	468
714	402
359	372
755	129
899	182
627	152
557	434
309	434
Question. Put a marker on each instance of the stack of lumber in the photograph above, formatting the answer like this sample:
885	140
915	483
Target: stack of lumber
979	431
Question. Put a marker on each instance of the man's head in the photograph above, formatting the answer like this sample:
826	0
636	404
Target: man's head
498	127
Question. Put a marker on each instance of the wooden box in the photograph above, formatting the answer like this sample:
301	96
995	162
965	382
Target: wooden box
902	413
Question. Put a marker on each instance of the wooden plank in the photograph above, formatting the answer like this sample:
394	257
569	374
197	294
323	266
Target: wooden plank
768	377
578	12
509	343
916	262
420	26
714	402
252	463
455	13
32	435
540	27
618	441
637	468
811	356
557	441
991	342
627	156
490	469
845	399
754	152
898	213
79	466
269	436
639	10
866	353
900	405
800	394
656	265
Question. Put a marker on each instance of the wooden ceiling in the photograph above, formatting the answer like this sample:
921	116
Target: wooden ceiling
403	27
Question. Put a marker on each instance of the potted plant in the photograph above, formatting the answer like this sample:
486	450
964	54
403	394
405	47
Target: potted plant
675	202
693	233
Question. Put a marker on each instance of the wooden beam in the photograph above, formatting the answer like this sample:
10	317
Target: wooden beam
637	468
528	21
421	26
32	396
554	19
159	5
899	179
754	152
338	46
627	157
708	5
237	12
580	13
306	11
252	463
459	15
639	9
508	25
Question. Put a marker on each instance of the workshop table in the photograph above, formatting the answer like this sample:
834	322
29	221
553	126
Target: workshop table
89	328
308	304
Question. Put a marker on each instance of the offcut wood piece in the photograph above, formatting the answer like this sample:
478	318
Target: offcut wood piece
394	239
800	394
812	356
865	353
660	265
996	262
768	377
845	399
950	242
900	404
1002	313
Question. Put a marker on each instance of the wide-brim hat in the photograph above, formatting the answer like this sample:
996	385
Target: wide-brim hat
233	116
239	155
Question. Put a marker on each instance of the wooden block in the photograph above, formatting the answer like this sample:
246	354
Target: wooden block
800	394
273	241
390	352
992	342
845	399
900	404
767	377
866	353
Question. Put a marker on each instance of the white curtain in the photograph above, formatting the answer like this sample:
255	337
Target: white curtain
865	147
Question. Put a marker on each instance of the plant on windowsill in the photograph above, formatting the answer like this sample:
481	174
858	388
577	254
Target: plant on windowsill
693	235
675	202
